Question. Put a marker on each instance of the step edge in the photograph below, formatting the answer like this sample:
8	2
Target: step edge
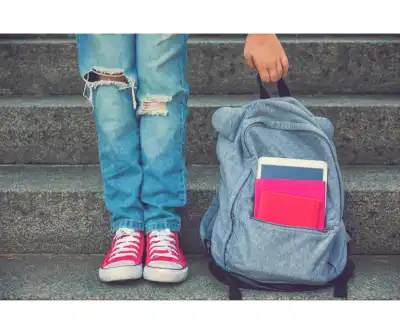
202	178
228	40
209	101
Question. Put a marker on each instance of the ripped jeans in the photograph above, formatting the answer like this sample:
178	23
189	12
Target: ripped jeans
141	124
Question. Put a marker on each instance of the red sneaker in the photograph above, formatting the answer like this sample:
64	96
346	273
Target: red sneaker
164	261
124	259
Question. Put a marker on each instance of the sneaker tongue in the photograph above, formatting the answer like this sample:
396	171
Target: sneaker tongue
160	233
125	231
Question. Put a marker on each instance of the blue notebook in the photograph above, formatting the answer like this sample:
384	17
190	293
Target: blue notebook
291	172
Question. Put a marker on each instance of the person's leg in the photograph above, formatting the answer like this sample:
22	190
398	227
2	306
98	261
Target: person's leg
163	106
107	64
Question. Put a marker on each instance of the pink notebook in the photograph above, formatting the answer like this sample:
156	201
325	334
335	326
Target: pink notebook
302	188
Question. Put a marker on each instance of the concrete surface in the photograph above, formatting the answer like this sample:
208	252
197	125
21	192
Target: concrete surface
61	130
319	65
75	277
60	209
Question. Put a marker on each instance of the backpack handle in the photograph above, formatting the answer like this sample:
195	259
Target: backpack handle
283	89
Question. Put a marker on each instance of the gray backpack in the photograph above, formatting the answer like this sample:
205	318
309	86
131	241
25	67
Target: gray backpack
250	254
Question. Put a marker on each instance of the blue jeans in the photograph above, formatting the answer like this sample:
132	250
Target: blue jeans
141	125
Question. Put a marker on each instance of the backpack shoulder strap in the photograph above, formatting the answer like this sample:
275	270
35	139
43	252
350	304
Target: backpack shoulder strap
226	279
340	284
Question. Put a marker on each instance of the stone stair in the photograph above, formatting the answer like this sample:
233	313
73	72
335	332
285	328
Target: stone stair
53	223
74	277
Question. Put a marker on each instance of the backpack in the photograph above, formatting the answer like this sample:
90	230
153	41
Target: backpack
251	254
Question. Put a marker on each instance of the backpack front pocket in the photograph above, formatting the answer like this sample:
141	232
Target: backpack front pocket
273	253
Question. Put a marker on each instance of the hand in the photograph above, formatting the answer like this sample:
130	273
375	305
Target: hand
265	53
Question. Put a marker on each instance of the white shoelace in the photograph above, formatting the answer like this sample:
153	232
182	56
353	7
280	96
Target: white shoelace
162	244
126	244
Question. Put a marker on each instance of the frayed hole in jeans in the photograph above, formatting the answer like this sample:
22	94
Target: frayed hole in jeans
99	76
154	105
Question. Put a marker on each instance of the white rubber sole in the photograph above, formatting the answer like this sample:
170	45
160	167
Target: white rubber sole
121	273
161	275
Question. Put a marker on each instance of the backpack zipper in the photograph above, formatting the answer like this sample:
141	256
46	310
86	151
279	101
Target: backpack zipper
232	214
207	242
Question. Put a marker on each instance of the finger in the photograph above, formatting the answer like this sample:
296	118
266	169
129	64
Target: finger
273	74
279	70
285	65
249	61
262	69
264	74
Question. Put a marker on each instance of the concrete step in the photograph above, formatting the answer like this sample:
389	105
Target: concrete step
52	36
60	209
318	65
75	277
61	130
72	36
35	36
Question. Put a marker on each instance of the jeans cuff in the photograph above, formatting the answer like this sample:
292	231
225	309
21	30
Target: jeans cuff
172	226
127	224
